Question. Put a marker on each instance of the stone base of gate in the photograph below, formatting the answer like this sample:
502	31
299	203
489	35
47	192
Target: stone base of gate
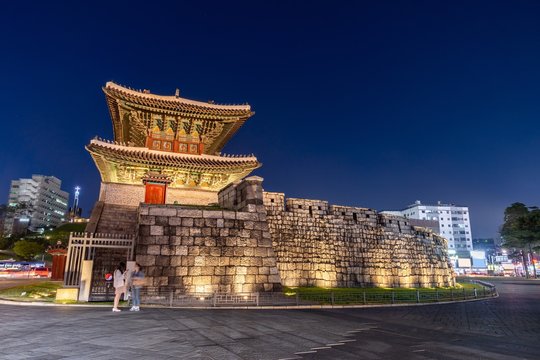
67	294
86	280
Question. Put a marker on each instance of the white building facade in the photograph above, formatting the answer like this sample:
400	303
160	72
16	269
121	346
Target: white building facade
454	222
36	204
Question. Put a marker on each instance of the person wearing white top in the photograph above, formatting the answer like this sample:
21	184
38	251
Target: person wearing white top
119	283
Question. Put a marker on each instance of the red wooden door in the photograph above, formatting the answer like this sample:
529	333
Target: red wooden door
155	193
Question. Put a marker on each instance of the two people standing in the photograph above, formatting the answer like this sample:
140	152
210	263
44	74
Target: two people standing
122	280
137	282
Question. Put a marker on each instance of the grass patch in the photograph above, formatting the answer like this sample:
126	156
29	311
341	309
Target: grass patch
4	256
470	286
69	227
43	291
378	295
356	290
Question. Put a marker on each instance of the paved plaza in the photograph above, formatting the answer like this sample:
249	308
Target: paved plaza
504	328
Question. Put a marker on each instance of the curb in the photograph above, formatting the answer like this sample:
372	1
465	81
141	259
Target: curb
262	307
38	303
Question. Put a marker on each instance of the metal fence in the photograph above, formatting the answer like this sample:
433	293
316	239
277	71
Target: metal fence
82	246
177	298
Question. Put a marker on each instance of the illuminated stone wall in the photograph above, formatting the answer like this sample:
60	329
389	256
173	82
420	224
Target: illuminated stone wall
207	250
317	244
259	241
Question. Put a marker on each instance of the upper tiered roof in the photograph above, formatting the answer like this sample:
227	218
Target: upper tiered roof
133	113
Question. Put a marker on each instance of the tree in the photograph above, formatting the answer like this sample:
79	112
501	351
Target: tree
530	232
62	232
6	243
521	230
27	250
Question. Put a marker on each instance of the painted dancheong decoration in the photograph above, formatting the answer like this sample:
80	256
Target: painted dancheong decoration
175	138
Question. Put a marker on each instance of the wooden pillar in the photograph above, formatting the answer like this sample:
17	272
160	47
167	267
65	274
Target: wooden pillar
59	255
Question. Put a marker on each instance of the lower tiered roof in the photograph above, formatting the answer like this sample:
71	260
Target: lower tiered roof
119	163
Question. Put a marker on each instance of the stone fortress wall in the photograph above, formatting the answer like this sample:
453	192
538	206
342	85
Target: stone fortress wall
258	241
318	244
224	249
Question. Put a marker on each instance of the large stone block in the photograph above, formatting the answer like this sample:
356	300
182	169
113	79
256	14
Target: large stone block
153	250
156	230
187	240
190	213
224	261
146	260
181	271
202	280
175	240
180	250
261	279
211	261
247	216
175	221
163	261
207	270
224	232
176	261
162	240
214	214
182	231
200	260
162	220
162	211
147	220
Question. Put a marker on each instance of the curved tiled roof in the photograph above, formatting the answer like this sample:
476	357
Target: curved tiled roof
173	103
154	158
220	122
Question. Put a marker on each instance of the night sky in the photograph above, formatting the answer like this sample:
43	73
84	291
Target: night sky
374	104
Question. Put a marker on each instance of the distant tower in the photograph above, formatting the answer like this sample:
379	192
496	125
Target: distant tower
75	212
76	200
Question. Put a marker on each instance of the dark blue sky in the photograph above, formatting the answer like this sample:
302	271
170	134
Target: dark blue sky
373	104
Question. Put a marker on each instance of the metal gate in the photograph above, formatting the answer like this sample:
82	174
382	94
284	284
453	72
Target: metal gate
105	261
106	251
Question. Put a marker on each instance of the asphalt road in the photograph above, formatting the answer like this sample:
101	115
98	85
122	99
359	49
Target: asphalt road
504	328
